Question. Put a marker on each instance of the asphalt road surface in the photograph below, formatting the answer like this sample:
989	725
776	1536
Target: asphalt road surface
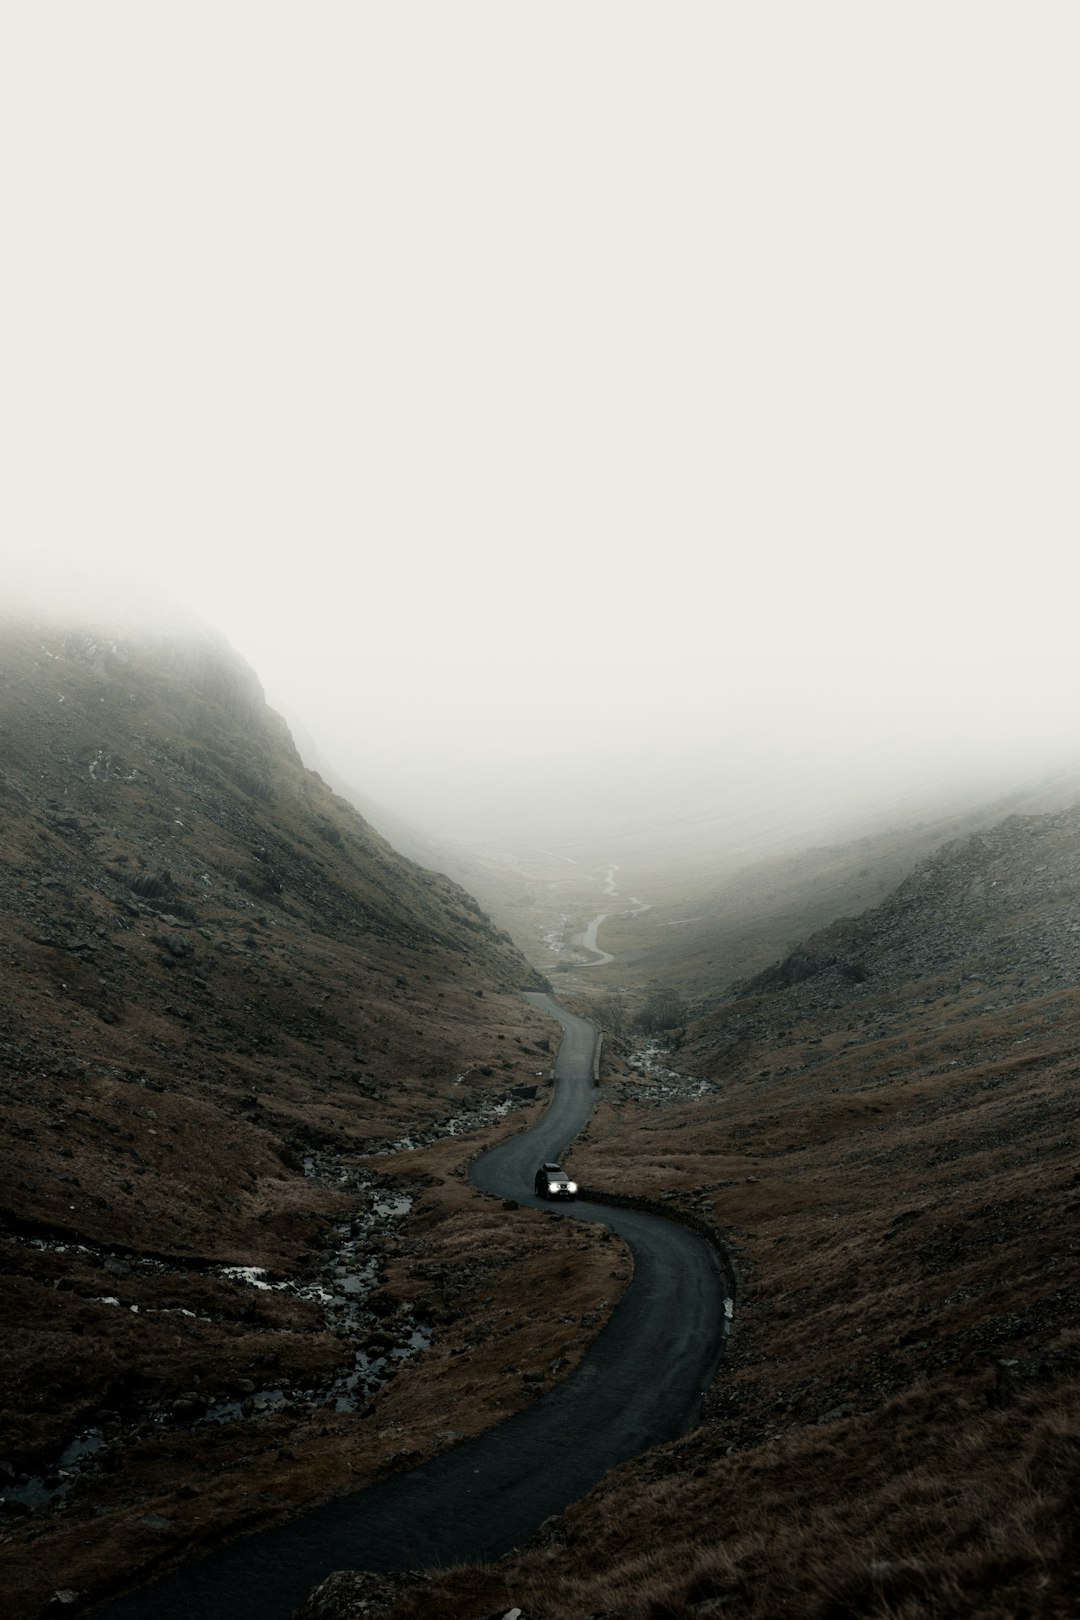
640	1383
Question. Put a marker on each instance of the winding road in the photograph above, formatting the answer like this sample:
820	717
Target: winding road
588	941
640	1383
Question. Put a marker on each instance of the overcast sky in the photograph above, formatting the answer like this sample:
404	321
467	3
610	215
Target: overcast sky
515	382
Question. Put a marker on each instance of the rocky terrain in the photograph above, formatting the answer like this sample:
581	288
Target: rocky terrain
246	1050
888	1138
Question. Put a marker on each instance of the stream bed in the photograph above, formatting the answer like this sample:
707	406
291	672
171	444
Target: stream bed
346	1276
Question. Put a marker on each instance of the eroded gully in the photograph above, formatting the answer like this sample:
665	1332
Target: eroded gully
639	1384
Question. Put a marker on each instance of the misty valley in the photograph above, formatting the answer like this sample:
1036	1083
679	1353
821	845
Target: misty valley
259	1032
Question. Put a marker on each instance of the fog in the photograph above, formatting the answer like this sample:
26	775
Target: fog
576	412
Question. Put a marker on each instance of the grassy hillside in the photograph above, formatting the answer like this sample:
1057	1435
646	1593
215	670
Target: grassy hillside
228	1007
885	1128
697	899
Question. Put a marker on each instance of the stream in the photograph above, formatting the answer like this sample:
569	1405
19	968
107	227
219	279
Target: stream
640	1383
346	1277
344	1280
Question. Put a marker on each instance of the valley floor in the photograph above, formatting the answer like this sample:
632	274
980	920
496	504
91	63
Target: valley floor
886	1129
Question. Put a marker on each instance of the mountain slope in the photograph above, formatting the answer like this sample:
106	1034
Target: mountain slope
224	998
697	901
885	1127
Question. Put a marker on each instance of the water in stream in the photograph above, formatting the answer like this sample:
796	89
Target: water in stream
345	1280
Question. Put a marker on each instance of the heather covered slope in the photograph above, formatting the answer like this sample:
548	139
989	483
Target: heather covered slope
225	1000
886	1129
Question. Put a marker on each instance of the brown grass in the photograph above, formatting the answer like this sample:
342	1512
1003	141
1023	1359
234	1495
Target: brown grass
466	1263
895	1434
323	996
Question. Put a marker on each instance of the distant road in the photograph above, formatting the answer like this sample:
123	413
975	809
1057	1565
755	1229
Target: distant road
640	1383
588	941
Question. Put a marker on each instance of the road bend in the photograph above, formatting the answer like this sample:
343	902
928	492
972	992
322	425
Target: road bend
640	1383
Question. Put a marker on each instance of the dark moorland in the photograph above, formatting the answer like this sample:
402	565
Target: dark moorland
885	1127
246	1052
245	1043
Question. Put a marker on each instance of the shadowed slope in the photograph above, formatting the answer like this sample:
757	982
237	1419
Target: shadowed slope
221	992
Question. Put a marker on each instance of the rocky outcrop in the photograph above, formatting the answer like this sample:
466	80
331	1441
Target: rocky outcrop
358	1594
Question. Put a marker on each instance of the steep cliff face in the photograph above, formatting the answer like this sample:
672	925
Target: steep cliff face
222	997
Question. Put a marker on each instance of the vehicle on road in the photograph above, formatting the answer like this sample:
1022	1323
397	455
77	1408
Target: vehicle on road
552	1181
